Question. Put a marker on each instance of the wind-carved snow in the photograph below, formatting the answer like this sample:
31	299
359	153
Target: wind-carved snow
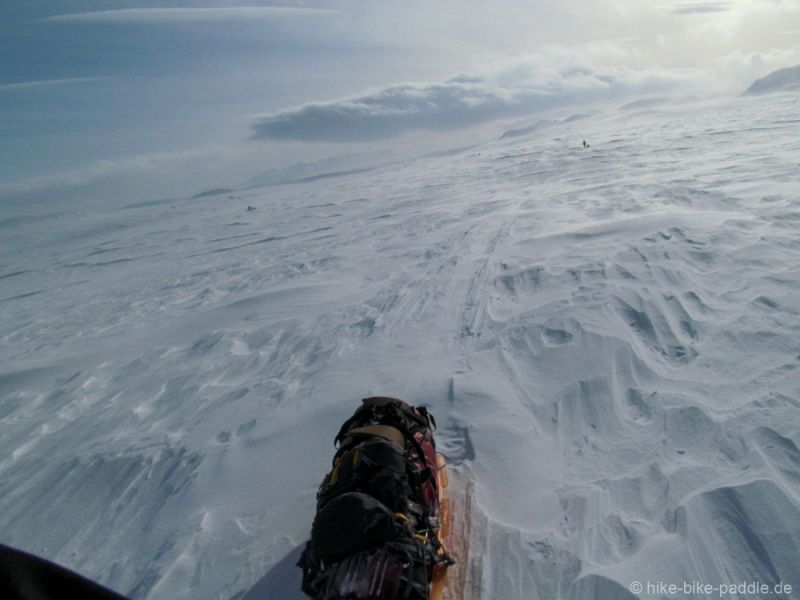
607	337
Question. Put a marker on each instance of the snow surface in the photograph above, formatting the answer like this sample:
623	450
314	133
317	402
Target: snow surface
607	337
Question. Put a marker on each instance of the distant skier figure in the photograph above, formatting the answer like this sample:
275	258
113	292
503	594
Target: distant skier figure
585	145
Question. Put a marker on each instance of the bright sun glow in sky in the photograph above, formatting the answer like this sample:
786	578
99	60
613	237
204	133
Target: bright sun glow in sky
144	99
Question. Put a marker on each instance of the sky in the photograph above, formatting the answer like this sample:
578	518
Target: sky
118	102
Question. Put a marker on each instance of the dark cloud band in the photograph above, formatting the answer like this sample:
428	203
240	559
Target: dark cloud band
453	104
178	15
694	8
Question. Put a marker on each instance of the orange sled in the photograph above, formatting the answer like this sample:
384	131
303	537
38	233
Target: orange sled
439	580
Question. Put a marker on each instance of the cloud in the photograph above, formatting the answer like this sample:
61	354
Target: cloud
693	8
43	83
743	68
518	88
156	164
179	15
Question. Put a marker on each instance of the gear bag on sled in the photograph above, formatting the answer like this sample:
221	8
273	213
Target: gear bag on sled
374	536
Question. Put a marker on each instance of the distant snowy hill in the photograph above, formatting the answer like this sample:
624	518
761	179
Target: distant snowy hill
608	338
545	124
644	103
783	80
538	126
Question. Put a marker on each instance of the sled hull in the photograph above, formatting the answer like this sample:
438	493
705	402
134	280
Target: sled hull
463	533
441	572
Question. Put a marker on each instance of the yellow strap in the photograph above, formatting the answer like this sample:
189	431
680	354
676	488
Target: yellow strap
335	474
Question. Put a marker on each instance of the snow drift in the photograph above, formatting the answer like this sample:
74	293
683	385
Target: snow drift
607	337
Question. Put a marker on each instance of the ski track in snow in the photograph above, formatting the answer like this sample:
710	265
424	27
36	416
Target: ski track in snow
608	338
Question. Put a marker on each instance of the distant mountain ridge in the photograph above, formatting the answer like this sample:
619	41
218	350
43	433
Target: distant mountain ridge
782	80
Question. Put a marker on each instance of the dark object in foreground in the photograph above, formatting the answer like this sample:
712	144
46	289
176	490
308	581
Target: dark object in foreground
27	577
375	534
